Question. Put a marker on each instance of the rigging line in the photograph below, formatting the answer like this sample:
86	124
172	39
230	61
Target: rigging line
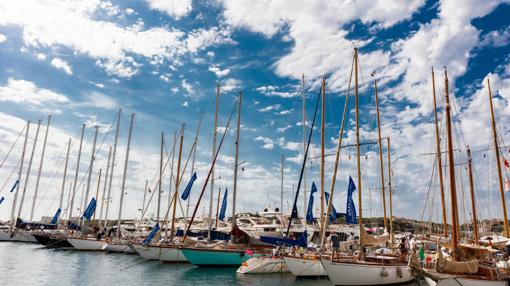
429	189
12	147
9	177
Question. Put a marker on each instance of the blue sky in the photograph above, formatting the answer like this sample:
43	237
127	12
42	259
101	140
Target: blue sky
81	61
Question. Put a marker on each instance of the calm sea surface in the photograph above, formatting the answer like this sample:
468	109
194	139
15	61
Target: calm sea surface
31	264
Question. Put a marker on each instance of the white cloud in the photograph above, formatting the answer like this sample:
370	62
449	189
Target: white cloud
219	72
174	8
61	64
283	129
285	112
185	104
100	100
270	90
41	56
270	108
55	23
187	87
268	142
26	92
230	84
3	38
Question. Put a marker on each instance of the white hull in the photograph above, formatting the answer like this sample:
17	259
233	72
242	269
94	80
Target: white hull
344	273
261	265
301	267
19	237
165	254
464	282
119	248
87	244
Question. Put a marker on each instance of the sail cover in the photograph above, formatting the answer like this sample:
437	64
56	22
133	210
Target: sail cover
187	190
309	211
223	209
350	217
90	209
54	220
151	235
333	214
14	187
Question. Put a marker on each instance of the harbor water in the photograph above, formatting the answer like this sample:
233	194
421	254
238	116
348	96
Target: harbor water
32	264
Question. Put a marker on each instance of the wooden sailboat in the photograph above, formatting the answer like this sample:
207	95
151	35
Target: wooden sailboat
362	270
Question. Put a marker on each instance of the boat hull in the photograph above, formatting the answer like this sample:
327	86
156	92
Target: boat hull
301	267
17	237
351	273
263	265
50	241
148	253
215	257
87	244
119	248
456	281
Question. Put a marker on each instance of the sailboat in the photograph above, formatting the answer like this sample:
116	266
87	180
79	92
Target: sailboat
470	263
363	270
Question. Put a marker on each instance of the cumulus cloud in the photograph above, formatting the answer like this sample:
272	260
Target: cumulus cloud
270	108
3	38
61	64
219	72
26	92
174	8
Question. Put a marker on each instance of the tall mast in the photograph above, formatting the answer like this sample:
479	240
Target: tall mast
323	116
113	164
65	175
105	196
215	130
28	170
177	182
75	184
40	167
380	154
13	209
217	208
281	189
496	149
91	169
472	192
160	177
390	190
303	96
123	187
97	189
360	206
439	157
451	166
236	163
144	196
172	178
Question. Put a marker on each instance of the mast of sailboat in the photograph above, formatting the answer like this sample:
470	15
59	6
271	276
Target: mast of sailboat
65	177
215	129
208	177
91	169
381	162
236	162
496	150
472	193
123	187
337	157
112	166
75	183
144	197
303	96
281	188
13	221
294	212
360	206
40	167
439	157
217	207
323	121
390	191
172	178
105	196
451	166
97	190
177	181
28	170
158	208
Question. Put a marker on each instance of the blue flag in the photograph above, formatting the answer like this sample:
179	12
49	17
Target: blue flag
309	211
185	194
90	209
350	211
2	200
333	214
223	209
54	220
14	187
151	235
